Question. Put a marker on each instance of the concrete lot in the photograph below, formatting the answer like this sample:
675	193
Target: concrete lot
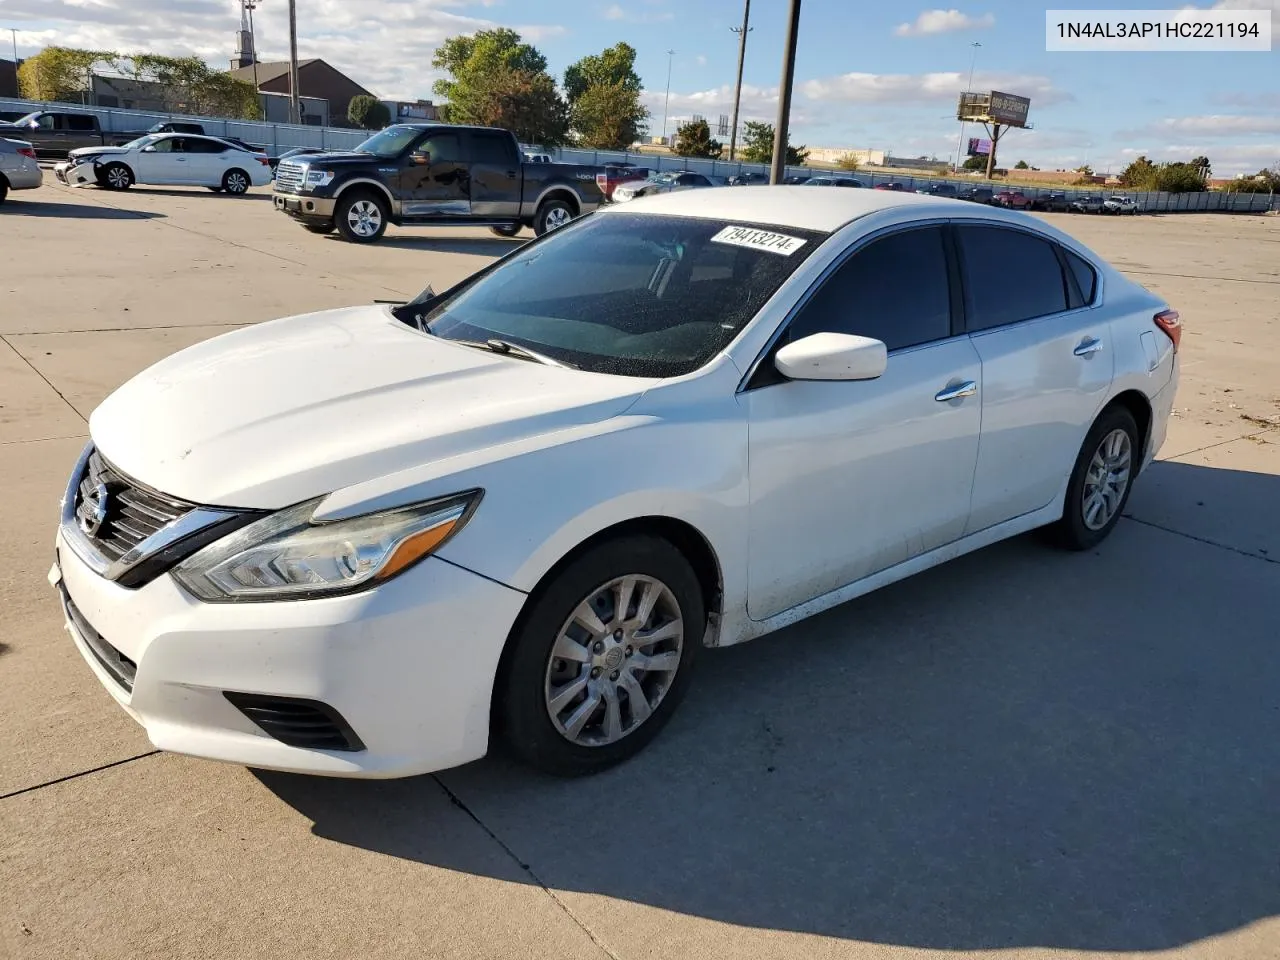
1024	752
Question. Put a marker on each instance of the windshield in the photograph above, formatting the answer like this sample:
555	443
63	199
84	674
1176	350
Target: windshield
627	294
390	142
30	118
142	141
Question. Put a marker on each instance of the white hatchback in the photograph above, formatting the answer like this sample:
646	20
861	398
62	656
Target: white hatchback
357	542
180	159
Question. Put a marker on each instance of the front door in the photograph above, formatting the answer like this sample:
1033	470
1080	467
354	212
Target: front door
1046	367
435	181
495	174
161	162
849	478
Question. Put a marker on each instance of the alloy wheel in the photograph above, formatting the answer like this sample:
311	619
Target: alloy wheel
364	218
118	177
236	183
1107	479
557	217
614	660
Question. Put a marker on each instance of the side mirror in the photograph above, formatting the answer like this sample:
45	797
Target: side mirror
149	149
832	356
420	159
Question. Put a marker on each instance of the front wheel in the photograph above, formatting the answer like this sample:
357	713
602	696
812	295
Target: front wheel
361	217
116	176
319	227
600	660
1100	481
552	215
235	182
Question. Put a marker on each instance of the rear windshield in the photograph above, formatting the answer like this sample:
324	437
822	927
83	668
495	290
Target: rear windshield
628	294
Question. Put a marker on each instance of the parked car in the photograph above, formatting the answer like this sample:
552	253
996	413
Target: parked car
975	194
796	179
55	133
1090	203
166	158
615	174
433	175
177	126
18	167
1055	202
832	182
1012	199
748	179
1120	204
661	183
310	544
895	187
273	162
538	158
938	190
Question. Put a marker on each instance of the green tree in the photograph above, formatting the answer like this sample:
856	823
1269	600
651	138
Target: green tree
61	73
614	65
1139	174
1022	165
190	86
608	117
368	113
975	163
496	79
1085	171
1264	181
757	145
693	139
847	162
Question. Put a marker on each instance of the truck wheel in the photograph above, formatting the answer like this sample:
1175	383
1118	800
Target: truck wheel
322	228
551	215
361	217
510	230
116	176
4	189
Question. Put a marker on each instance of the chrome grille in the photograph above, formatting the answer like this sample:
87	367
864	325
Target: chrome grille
290	176
131	512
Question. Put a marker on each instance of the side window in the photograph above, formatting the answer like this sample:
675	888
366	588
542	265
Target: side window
895	290
1085	277
45	122
201	145
166	145
443	147
491	148
1009	276
80	124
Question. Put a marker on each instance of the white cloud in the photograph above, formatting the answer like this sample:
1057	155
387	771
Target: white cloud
701	60
1212	127
617	12
943	21
906	88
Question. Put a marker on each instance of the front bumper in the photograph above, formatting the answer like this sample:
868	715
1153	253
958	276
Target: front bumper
304	206
409	665
75	174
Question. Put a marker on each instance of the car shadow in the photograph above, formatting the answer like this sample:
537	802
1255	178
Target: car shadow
72	211
491	246
197	192
1023	748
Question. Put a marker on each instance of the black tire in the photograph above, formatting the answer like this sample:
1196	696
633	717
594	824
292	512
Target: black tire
319	227
1072	531
343	216
551	210
236	182
115	176
214	189
508	230
521	711
4	189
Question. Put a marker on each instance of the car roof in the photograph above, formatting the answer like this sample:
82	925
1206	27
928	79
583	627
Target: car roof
783	206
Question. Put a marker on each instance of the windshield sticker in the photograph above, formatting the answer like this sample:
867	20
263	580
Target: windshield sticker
765	240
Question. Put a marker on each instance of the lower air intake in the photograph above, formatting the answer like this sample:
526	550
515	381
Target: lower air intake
308	724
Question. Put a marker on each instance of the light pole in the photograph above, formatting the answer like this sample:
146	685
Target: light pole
779	166
667	100
14	31
972	61
249	6
737	90
295	106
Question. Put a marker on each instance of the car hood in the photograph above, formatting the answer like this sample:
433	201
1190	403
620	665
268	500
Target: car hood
94	152
324	158
284	411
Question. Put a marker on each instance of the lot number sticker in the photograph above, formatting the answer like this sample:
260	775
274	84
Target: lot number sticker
759	240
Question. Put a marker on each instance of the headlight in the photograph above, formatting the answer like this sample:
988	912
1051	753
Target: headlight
287	556
319	178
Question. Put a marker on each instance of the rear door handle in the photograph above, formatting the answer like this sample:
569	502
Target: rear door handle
1088	346
966	389
511	174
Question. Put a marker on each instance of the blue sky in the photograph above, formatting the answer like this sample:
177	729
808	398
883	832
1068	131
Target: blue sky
883	76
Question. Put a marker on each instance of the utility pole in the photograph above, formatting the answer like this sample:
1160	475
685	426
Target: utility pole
249	6
737	90
666	102
968	89
14	31
295	105
779	168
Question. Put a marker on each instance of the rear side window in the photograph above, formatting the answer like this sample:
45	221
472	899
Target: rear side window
492	148
1086	280
200	145
1010	276
894	290
80	124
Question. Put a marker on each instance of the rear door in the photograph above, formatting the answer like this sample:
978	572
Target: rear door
206	160
1046	367
495	173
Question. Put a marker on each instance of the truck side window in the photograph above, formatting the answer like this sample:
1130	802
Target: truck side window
80	124
443	147
45	121
487	147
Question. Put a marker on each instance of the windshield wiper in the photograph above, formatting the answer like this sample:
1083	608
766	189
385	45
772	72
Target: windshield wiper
507	348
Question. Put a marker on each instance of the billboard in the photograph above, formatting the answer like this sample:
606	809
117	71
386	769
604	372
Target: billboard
979	147
994	107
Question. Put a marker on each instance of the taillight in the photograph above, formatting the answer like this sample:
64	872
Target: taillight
264	161
1168	321
27	152
602	181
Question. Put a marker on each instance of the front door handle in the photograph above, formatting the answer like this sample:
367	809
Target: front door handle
511	174
966	389
1088	346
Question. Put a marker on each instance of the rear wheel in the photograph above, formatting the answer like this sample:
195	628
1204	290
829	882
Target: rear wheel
235	182
602	657
116	176
361	217
507	230
552	215
1101	480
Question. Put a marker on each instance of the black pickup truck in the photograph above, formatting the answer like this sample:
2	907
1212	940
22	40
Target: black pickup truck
56	133
433	175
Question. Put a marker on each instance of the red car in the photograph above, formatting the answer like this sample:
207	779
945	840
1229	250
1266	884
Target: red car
613	176
889	186
1012	199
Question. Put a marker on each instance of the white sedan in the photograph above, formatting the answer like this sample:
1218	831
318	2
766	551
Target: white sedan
671	182
361	541
167	158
